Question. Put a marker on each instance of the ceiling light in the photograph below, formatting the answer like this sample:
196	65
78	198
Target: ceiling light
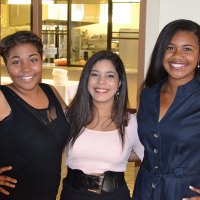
28	1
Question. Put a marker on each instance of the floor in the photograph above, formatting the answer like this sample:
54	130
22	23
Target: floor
129	176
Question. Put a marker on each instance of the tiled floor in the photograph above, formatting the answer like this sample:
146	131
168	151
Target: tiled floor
129	176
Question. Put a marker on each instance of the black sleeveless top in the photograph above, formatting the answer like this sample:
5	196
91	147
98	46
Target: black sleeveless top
32	141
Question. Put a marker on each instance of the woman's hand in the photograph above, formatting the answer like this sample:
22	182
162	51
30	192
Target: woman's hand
197	190
5	180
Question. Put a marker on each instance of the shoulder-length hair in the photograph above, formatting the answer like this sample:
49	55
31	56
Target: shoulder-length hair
156	71
81	111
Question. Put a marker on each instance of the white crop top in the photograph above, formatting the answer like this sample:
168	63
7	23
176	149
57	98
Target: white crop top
99	151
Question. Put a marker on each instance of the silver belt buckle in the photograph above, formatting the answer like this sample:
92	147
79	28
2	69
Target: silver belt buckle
100	184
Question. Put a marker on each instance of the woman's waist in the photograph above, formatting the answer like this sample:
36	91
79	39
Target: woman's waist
167	170
34	177
30	193
97	183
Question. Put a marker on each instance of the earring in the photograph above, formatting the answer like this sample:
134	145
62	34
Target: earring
117	94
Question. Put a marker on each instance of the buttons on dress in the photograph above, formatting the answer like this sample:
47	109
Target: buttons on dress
155	135
153	185
155	151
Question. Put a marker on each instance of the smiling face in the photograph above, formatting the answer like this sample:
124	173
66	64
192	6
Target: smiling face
24	65
103	82
181	57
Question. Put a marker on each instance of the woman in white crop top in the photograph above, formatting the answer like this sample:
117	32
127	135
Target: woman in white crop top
103	133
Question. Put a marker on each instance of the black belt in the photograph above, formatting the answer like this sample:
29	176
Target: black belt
106	182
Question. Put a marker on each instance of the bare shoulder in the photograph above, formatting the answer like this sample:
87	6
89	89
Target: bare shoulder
4	106
2	100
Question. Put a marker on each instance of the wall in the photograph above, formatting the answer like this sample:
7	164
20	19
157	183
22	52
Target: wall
14	18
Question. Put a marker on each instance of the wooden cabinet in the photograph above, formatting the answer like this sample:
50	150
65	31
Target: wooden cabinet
19	15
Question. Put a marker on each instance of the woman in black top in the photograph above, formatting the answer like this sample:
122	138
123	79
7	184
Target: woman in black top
33	126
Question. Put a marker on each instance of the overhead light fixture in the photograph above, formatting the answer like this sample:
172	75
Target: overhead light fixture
28	1
126	1
47	1
19	1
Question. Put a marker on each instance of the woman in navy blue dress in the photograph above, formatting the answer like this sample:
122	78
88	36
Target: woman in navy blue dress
169	117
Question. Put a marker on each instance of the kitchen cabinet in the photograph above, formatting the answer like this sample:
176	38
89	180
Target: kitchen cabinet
19	15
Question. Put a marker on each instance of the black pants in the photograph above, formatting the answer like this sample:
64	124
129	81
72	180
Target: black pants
23	195
69	193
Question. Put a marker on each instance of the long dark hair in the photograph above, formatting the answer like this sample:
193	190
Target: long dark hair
81	111
20	37
156	71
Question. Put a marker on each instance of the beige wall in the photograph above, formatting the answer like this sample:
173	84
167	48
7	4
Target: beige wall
14	18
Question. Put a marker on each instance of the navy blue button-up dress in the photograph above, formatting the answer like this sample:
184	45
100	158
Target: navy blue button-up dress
172	145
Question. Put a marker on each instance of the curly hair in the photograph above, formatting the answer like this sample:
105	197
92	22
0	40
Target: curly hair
20	37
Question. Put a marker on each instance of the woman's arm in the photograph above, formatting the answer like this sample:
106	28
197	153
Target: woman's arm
4	108
5	180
